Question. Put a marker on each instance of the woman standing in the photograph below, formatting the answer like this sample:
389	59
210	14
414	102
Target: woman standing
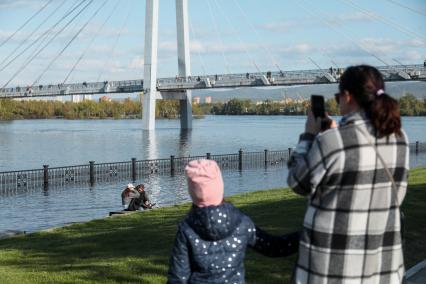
355	178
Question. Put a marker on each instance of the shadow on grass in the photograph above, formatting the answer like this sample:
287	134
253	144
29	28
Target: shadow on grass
414	208
136	248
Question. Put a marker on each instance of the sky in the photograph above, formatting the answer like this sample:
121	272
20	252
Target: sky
106	40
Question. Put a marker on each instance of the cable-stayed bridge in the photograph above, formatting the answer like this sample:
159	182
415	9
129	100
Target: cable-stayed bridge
180	86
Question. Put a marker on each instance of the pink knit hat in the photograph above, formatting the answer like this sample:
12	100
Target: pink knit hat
205	183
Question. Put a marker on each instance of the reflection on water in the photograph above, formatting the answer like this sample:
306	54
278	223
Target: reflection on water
31	143
28	144
418	160
148	139
185	139
38	209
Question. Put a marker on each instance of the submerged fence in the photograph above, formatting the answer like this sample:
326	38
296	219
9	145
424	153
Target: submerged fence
92	173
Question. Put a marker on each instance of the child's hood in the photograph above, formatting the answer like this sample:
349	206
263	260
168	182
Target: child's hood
214	222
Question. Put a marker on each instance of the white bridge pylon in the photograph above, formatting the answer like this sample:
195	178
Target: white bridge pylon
150	64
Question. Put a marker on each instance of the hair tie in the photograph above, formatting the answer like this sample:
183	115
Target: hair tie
380	92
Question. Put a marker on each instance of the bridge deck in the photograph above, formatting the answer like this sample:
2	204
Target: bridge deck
282	78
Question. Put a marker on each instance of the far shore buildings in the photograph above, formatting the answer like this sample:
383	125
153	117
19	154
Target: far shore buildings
87	98
105	99
78	98
197	100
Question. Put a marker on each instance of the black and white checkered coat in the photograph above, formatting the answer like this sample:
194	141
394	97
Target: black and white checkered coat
352	222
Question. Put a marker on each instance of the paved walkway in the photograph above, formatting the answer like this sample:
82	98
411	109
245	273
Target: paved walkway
417	274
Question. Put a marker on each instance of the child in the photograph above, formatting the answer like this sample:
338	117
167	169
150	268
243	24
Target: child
211	242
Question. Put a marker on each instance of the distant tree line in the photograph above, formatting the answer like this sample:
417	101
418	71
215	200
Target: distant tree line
267	107
38	109
409	106
42	109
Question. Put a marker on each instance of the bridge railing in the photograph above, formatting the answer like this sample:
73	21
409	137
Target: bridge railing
313	76
92	173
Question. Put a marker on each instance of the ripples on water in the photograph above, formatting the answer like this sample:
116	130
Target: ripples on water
29	144
38	209
32	143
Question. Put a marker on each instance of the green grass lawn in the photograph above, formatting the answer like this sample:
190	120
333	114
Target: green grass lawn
136	247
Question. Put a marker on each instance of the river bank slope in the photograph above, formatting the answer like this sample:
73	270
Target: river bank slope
136	247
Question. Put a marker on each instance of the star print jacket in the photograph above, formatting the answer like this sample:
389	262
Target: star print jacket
211	242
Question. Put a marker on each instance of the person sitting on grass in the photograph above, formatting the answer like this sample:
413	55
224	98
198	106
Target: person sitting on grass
128	194
211	241
141	201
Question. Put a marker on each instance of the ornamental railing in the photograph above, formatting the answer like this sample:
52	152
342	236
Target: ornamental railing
92	173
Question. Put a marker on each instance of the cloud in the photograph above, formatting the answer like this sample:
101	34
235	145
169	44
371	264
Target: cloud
312	22
137	62
300	48
405	51
14	4
203	47
5	34
379	45
215	48
168	46
351	17
94	29
278	26
415	43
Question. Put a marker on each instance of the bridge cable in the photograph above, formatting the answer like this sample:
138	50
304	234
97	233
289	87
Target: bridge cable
192	31
268	52
319	68
408	8
340	32
218	36
388	22
44	35
239	38
92	40
117	38
26	22
373	16
23	66
399	62
32	33
74	27
70	42
324	52
356	43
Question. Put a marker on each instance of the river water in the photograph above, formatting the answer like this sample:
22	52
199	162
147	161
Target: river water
28	144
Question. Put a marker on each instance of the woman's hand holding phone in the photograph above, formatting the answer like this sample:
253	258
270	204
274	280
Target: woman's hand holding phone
315	125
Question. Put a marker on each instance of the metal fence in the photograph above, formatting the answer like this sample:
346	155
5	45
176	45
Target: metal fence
92	173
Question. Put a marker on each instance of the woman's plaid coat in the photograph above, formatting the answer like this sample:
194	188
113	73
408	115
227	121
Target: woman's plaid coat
352	230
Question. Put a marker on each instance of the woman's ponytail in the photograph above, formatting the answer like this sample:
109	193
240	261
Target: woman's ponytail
385	115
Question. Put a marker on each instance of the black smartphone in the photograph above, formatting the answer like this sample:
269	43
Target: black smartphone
317	105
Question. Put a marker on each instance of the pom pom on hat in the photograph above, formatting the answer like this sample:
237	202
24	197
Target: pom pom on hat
205	183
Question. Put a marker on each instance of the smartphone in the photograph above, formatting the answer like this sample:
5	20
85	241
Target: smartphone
317	105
